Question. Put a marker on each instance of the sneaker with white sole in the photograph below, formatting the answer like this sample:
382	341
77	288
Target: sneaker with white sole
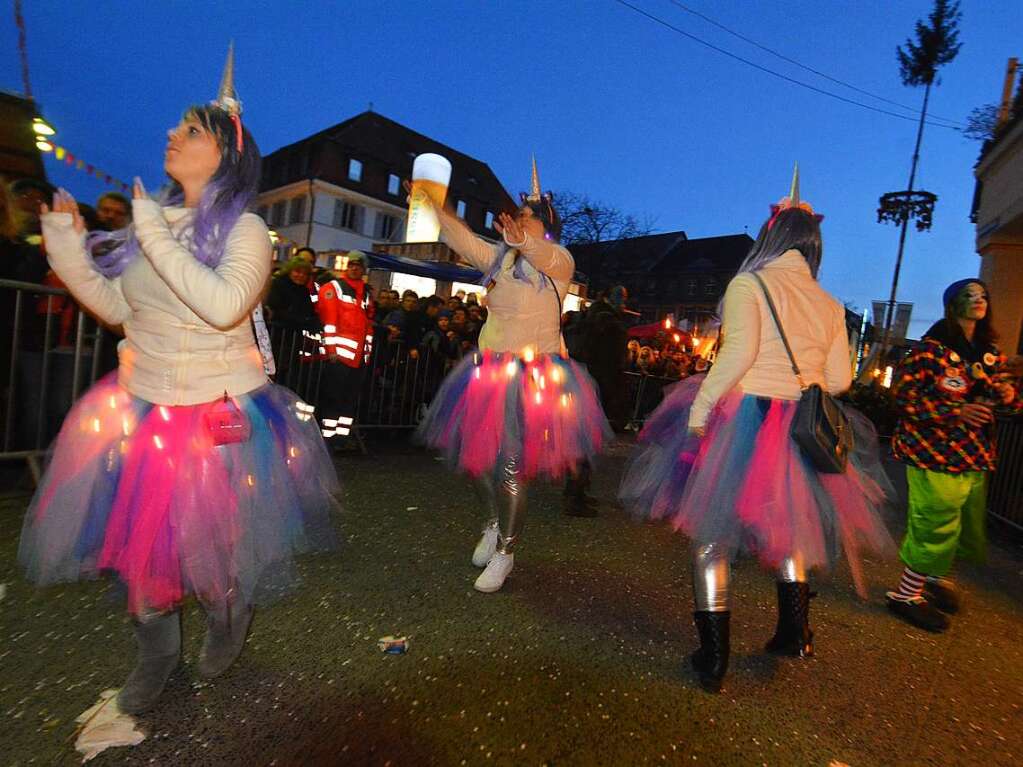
486	547
492	578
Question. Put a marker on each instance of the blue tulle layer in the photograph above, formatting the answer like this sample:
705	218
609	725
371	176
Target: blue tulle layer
543	410
161	498
746	485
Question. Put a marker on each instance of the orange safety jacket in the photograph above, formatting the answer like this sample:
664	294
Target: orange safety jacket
62	307
345	310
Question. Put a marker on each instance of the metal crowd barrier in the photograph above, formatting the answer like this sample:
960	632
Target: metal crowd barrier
1005	493
397	381
645	392
53	352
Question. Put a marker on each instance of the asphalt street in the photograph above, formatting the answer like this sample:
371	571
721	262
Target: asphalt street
580	660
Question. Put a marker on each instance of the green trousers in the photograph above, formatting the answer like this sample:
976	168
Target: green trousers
947	515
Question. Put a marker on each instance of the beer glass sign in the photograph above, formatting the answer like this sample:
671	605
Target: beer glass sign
431	174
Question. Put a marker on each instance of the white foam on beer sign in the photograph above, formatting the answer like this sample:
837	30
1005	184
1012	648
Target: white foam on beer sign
434	170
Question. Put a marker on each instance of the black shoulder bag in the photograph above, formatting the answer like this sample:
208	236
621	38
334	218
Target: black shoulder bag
820	428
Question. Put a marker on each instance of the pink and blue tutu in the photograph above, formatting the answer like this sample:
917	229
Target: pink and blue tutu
746	485
174	504
497	405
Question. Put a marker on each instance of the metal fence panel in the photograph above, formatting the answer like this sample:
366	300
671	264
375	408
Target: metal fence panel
48	367
1005	494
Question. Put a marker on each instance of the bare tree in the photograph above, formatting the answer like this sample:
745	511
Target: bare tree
585	220
980	125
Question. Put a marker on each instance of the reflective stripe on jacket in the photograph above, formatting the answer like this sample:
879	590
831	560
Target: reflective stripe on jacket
344	309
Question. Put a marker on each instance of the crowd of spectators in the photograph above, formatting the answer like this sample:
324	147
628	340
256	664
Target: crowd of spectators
447	328
664	360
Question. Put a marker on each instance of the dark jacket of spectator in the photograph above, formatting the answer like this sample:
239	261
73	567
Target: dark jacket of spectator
290	303
604	350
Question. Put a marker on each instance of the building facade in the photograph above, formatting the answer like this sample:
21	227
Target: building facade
665	274
341	189
19	157
998	214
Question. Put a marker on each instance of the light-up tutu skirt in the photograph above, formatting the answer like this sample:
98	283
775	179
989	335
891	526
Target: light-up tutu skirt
174	504
494	406
746	485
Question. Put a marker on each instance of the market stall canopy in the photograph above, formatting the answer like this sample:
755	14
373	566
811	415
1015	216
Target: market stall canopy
444	271
651	330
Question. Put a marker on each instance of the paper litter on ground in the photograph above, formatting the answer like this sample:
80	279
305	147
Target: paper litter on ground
104	726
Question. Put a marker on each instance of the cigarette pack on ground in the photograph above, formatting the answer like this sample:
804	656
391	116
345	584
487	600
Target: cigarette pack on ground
393	645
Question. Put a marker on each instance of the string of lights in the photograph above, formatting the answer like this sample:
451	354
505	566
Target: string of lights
794	81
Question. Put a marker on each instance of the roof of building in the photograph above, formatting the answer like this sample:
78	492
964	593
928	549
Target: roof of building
374	139
670	252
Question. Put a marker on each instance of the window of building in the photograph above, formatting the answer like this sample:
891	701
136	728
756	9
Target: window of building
393	184
460	208
297	212
710	288
691	287
354	170
573	303
277	213
489	220
347	215
468	287
384	227
423	286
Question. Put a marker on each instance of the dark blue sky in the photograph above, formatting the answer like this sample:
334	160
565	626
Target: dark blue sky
612	104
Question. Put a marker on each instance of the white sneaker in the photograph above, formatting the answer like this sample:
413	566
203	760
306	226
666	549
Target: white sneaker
492	578
486	547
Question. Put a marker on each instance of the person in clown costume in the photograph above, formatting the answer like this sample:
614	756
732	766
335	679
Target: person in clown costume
185	472
518	408
948	391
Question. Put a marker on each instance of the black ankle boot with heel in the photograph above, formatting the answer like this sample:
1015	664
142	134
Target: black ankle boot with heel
711	661
793	637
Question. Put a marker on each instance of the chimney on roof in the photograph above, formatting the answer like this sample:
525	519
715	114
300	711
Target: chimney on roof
1010	79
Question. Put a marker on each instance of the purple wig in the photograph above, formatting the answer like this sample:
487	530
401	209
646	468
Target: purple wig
228	194
788	229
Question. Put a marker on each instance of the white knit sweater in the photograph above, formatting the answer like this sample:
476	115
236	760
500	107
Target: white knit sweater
519	314
752	357
187	333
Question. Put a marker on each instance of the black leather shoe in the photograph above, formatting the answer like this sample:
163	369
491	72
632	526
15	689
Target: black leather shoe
793	637
919	612
943	595
711	661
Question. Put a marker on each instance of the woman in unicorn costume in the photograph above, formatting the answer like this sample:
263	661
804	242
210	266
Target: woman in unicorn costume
718	461
518	408
186	472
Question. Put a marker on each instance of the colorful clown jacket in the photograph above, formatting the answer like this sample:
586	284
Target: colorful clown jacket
931	386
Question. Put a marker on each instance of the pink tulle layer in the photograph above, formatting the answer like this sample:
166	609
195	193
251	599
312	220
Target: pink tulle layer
175	506
544	409
747	485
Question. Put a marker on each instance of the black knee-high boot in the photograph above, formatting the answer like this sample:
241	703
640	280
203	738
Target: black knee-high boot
793	636
711	661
